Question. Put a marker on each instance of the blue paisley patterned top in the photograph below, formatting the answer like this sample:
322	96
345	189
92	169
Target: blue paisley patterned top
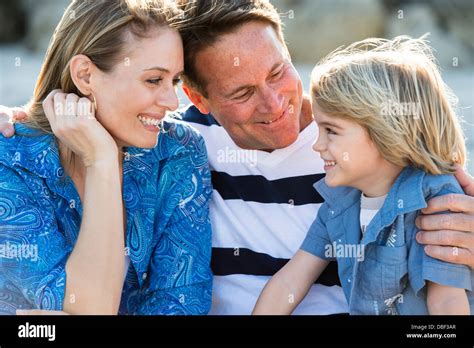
166	191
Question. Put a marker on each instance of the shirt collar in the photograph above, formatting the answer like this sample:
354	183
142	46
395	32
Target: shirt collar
405	195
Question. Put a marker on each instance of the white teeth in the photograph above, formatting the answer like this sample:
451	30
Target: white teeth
149	121
330	163
275	119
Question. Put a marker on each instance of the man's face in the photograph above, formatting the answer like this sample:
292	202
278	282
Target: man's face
253	89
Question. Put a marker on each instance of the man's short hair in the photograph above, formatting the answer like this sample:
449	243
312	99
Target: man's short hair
205	21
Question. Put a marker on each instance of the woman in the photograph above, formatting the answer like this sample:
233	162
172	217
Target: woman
114	228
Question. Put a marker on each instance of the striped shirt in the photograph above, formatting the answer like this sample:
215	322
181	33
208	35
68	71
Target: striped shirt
261	209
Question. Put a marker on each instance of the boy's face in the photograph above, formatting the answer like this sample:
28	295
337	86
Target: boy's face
351	158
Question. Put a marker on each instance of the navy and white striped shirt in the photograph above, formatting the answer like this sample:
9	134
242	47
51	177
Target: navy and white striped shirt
261	209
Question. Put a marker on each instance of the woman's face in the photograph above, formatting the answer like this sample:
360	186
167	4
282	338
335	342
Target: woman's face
135	95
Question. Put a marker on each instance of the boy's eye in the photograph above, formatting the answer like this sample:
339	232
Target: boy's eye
330	131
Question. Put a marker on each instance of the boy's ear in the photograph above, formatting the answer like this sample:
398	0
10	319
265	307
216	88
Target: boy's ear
197	99
80	69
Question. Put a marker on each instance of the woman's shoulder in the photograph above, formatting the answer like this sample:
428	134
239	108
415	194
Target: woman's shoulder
180	138
28	148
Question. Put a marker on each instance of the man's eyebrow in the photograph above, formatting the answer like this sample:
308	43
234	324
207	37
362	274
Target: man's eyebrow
240	88
330	124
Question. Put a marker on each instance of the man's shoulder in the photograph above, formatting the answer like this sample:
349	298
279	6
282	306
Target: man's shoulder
192	114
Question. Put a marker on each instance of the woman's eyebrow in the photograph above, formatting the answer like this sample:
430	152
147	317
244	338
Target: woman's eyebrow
157	68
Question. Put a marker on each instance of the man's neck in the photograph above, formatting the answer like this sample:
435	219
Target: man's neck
306	115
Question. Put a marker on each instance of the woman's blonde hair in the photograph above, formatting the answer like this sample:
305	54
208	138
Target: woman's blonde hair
393	88
97	29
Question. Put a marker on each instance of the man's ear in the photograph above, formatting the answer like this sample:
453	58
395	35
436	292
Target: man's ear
80	69
197	99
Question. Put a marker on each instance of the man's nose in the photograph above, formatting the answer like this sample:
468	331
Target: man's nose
273	101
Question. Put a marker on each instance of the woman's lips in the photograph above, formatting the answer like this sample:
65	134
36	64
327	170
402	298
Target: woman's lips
150	123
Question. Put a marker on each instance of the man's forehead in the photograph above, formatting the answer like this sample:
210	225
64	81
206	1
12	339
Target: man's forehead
242	55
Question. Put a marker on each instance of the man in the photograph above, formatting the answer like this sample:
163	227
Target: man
249	106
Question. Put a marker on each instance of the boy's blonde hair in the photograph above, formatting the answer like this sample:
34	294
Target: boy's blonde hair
393	88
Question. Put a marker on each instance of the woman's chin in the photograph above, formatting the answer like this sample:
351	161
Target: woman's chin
144	142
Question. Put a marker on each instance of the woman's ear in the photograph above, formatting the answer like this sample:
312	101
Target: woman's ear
80	69
197	99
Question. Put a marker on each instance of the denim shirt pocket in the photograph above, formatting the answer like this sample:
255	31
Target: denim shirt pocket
380	280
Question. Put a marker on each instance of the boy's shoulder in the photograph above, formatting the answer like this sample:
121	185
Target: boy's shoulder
435	185
414	187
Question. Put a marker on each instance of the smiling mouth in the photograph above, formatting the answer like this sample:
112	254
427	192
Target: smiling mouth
275	119
330	163
148	121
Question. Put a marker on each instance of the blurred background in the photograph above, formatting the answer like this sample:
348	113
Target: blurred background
313	28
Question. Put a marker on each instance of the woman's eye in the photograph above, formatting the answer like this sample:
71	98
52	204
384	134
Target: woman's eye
155	81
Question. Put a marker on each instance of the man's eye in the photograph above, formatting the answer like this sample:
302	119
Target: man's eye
277	74
244	96
155	81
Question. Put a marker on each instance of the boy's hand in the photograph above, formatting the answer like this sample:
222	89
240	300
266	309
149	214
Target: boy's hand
450	237
7	117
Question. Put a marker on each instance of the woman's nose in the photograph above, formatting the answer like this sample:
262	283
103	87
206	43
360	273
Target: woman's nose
169	99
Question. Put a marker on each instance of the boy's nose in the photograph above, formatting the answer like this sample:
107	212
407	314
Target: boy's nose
318	145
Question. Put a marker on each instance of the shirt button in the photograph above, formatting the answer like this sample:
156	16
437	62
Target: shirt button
349	280
331	212
144	275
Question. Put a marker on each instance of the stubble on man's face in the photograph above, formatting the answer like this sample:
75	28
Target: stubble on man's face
253	89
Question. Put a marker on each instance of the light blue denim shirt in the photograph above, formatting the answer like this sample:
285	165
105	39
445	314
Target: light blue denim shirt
385	271
166	193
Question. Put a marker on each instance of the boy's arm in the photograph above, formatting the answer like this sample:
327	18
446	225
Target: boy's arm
446	300
287	288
